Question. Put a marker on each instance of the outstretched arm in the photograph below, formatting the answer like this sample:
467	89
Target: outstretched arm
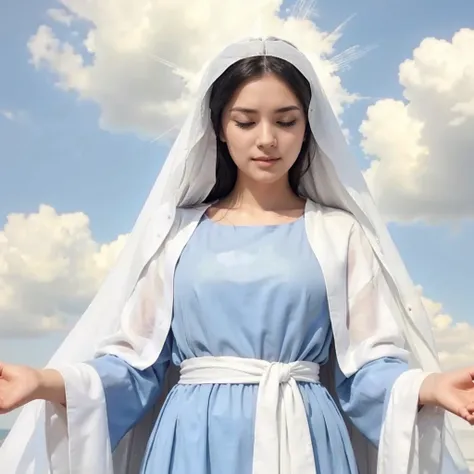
20	385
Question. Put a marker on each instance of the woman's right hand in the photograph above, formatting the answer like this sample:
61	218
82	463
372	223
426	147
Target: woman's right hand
19	384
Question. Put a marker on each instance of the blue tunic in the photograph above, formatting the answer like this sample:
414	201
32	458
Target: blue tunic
246	291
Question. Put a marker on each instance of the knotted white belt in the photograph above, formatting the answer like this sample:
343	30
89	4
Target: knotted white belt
282	438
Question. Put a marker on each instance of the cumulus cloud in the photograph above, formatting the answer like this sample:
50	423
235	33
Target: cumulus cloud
140	61
50	268
455	340
423	167
61	16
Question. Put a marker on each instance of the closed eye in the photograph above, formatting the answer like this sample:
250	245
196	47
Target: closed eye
287	124
280	123
244	124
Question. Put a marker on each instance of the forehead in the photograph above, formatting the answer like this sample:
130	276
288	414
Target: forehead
264	93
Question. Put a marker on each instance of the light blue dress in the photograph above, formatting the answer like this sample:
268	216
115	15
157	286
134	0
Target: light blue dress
252	291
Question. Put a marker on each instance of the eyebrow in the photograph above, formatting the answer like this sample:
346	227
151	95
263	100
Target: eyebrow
253	111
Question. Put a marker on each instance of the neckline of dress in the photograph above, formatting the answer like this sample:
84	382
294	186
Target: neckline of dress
254	226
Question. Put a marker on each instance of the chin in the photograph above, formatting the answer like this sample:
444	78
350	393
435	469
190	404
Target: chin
267	176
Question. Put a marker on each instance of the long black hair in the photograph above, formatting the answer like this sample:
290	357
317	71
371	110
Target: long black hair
223	91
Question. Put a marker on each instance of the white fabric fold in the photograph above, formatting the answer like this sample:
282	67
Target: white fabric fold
282	438
77	437
406	438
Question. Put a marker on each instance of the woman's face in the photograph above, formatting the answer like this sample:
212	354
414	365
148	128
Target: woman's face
264	126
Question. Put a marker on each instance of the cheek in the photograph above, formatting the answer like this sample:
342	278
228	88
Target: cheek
239	143
291	144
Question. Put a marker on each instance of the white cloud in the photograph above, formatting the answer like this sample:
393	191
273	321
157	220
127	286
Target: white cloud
72	73
140	61
50	268
422	146
14	115
455	340
61	16
8	114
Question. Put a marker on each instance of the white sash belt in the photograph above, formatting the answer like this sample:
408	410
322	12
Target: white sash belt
282	442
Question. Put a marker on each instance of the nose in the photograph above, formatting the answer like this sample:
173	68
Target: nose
266	137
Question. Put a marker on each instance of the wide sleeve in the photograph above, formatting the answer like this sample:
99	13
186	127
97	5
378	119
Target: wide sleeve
376	387
105	398
364	396
129	392
373	331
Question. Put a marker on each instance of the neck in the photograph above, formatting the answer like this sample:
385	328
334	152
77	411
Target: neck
267	197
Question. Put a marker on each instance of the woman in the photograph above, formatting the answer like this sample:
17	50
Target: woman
255	254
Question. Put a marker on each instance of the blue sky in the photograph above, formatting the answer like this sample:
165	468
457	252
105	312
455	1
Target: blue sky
54	151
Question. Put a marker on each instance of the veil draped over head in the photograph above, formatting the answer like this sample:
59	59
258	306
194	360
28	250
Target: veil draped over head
186	179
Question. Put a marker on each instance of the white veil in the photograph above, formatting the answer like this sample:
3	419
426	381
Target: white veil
186	178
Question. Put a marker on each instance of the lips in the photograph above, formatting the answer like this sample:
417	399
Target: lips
265	158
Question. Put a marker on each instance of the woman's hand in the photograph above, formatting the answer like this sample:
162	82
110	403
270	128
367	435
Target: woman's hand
453	391
20	384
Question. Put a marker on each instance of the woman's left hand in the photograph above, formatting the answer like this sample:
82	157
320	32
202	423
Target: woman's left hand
453	391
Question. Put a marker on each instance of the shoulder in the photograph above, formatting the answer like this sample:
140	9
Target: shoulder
184	218
334	217
187	214
341	227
